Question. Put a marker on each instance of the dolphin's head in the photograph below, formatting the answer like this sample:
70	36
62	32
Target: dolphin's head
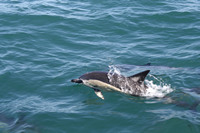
77	81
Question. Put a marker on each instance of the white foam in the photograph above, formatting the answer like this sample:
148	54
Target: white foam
154	90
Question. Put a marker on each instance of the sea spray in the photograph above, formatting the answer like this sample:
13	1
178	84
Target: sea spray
155	90
114	70
115	77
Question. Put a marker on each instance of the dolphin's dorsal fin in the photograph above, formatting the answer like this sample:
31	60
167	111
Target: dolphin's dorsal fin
98	93
139	77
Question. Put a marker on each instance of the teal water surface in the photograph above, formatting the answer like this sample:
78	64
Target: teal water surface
45	44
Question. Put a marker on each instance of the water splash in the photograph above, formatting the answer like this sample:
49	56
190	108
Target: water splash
113	69
115	77
155	90
160	89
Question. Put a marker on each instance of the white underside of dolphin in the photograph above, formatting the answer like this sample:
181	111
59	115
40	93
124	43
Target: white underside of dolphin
96	85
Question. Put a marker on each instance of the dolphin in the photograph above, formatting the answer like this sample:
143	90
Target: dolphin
104	81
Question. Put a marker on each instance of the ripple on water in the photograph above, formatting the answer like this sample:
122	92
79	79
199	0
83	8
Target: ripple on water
36	104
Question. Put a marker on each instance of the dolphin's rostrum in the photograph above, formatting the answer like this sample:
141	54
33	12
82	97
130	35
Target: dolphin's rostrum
133	85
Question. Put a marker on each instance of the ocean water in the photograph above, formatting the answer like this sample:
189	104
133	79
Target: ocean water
44	44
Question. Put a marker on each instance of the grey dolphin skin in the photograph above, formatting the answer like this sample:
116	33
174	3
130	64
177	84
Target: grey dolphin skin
132	85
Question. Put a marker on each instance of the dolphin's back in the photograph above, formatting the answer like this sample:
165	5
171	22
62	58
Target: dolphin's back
101	76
